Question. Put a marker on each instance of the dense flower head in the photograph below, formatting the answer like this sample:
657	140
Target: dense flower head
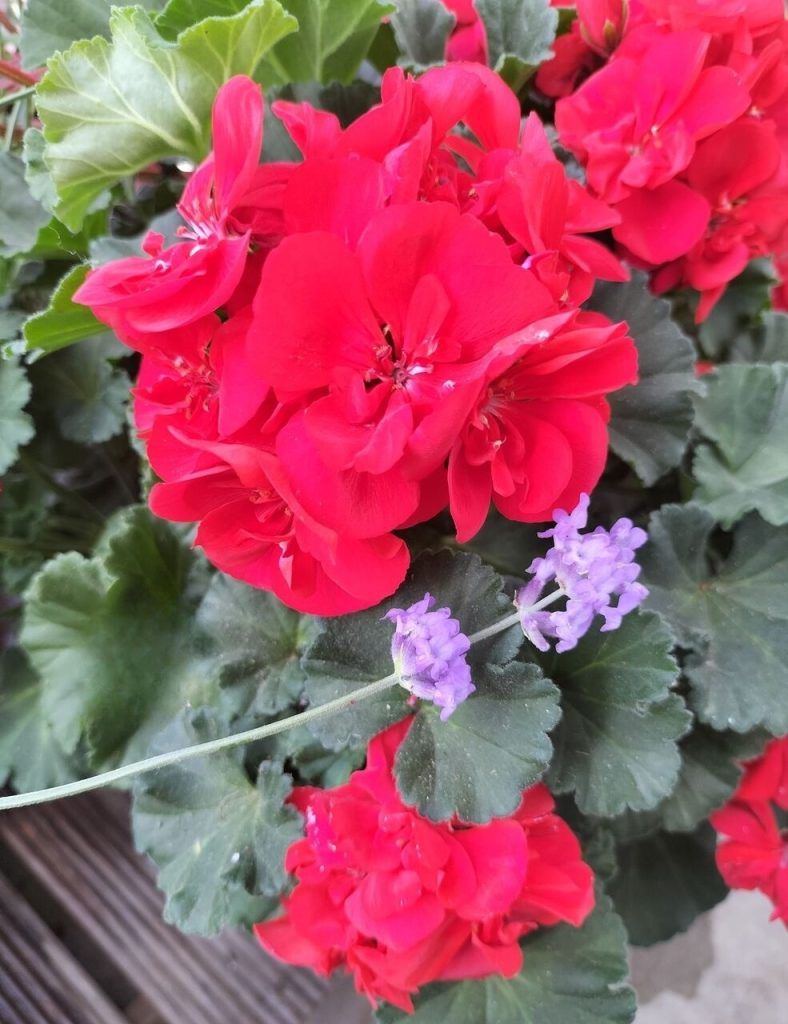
429	648
343	347
591	570
400	901
753	852
680	120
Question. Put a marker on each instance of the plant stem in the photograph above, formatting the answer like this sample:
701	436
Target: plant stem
129	771
10	126
198	750
514	618
20	94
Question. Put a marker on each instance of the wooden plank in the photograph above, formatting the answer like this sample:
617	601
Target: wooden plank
40	982
80	852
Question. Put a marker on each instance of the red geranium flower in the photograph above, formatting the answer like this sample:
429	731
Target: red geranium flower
399	900
718	15
252	527
385	348
754	851
229	201
537	436
549	214
734	172
635	124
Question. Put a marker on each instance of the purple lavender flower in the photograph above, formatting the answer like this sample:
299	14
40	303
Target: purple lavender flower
590	569
429	651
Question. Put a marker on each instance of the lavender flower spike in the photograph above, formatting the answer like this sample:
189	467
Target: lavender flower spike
590	569
429	651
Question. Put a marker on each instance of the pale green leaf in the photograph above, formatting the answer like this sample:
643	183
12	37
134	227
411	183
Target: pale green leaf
421	30
64	321
332	39
111	108
112	638
21	216
29	754
520	35
51	25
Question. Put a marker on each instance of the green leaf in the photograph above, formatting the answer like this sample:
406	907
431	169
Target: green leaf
332	39
663	882
421	30
745	467
476	764
29	754
110	108
617	744
763	342
256	643
51	25
733	621
218	840
64	321
21	216
651	420
774	346
520	35
16	427
354	650
88	396
178	15
738	313
112	639
25	503
710	771
569	976
37	175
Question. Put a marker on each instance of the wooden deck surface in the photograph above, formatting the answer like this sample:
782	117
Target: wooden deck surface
82	940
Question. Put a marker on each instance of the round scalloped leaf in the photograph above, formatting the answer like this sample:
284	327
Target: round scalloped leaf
651	420
476	764
744	468
664	881
734	621
16	427
617	744
354	650
218	840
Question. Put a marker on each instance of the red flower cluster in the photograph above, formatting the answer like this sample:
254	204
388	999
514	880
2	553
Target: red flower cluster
682	130
754	851
343	347
400	901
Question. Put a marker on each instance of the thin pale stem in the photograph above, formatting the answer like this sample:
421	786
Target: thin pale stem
13	97
514	618
150	764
